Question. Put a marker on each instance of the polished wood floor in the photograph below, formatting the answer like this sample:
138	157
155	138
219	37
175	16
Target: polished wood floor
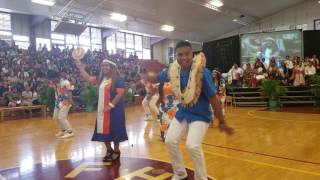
266	145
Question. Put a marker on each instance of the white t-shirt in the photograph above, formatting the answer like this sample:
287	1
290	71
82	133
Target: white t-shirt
310	70
237	73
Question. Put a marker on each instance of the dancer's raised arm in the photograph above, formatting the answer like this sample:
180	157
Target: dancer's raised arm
77	55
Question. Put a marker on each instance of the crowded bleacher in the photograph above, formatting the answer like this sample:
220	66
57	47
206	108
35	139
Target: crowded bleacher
24	73
291	71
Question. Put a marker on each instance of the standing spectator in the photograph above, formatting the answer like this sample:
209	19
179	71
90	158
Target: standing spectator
298	74
236	74
316	63
273	71
248	75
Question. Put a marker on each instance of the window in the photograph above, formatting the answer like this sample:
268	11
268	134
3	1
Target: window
58	42
128	52
86	48
96	36
96	39
139	54
138	43
57	36
53	25
43	42
71	39
21	41
84	38
90	38
146	42
5	27
111	44
129	41
120	40
96	47
146	54
5	21
146	48
6	35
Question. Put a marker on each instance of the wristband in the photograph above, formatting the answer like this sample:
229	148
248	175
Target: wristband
111	105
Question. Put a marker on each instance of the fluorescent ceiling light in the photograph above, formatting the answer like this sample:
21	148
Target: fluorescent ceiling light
167	28
118	17
44	2
216	3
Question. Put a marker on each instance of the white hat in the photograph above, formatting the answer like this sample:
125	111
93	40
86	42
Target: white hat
109	62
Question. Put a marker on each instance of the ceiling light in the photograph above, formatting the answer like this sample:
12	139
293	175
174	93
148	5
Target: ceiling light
167	28
235	20
118	17
44	2
216	3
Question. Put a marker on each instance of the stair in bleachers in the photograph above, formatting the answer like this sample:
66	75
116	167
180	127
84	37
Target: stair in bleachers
252	97
298	96
247	97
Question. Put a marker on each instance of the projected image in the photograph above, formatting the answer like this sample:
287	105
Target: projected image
267	45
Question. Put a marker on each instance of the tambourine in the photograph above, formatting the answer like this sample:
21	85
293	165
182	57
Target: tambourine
78	53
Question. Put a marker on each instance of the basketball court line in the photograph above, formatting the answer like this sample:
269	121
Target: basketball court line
263	163
250	113
263	154
138	157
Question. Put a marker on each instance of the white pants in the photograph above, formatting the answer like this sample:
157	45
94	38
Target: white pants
195	133
61	115
150	106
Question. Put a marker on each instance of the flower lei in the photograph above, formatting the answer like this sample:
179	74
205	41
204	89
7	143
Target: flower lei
191	93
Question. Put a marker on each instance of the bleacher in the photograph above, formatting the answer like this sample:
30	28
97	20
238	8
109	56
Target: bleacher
252	97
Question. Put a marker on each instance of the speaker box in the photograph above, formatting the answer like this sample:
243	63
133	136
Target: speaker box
69	28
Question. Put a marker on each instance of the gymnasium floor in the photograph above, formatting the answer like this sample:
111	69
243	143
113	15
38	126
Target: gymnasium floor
266	145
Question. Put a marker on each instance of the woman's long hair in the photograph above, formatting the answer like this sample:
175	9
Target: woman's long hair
113	75
217	80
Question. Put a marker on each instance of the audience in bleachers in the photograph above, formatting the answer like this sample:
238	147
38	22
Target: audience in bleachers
24	72
290	72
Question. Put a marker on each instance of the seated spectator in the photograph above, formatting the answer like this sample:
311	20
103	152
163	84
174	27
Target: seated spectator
309	71
13	96
35	96
27	97
260	73
3	89
282	78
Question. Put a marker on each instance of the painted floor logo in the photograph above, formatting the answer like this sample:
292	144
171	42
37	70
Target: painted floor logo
94	169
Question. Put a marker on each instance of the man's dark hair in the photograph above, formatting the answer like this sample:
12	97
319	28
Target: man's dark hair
182	44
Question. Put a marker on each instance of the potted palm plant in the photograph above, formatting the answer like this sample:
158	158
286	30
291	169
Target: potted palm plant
47	97
89	96
273	90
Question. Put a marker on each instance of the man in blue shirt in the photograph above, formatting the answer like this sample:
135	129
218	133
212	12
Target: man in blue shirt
193	85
